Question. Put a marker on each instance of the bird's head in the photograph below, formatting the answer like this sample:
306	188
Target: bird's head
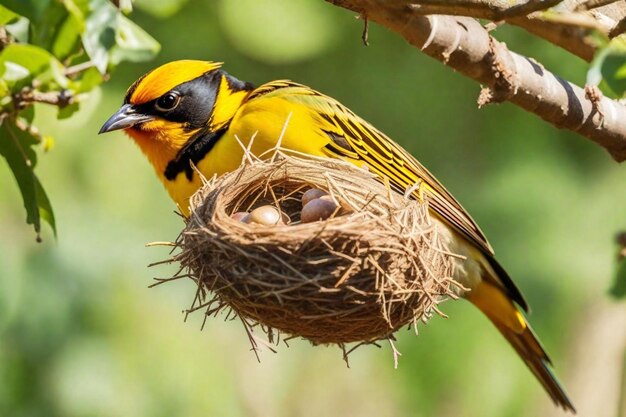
175	103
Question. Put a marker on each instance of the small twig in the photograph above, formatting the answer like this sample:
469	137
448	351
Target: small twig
78	68
491	26
366	30
593	94
528	8
484	9
618	29
592	4
396	352
28	96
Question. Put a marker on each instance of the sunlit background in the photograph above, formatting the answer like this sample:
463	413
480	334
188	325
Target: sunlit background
81	334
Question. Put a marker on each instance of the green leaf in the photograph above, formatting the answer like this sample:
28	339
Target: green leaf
32	58
45	31
608	68
162	9
27	115
33	10
133	43
619	286
87	81
16	146
19	29
67	40
111	38
67	111
7	15
77	12
99	35
44	206
16	59
12	72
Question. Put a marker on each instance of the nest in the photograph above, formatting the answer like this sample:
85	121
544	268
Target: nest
355	277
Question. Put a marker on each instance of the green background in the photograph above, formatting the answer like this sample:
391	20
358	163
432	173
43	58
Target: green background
82	335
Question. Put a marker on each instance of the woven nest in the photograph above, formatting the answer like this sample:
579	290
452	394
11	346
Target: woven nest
355	277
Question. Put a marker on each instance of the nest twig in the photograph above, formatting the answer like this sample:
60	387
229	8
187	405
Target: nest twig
357	277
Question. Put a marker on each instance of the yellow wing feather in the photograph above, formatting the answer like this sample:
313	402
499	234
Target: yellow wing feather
380	153
320	125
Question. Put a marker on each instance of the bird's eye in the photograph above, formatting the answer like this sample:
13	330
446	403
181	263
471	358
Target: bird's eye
167	102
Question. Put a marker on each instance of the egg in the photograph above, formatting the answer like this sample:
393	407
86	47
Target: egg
312	194
318	209
239	216
267	215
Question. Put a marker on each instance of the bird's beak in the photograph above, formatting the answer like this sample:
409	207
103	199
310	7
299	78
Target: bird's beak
127	116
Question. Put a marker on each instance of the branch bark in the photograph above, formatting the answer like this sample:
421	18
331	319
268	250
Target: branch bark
566	23
464	45
29	96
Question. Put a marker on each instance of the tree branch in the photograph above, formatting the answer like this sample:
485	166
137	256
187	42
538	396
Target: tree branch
29	96
464	45
484	9
565	23
570	32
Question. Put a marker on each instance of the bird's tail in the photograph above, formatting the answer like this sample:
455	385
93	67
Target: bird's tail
492	300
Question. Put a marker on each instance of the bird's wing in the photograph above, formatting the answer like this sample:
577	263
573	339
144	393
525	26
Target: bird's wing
353	138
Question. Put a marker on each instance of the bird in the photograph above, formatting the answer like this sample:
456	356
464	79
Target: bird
191	117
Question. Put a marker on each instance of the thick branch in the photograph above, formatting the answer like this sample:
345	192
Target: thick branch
484	9
565	23
464	45
571	32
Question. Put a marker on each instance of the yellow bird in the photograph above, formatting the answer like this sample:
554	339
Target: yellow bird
192	113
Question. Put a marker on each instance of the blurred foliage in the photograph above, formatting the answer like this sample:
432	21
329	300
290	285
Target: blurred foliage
619	287
608	68
55	52
302	28
81	335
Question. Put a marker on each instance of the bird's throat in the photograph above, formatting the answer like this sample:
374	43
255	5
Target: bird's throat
159	152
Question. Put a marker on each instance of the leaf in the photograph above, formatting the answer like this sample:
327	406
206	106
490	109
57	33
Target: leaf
19	29
77	12
99	35
33	10
608	68
32	58
67	40
15	59
133	43
111	38
87	81
67	111
14	72
7	16
45	30
162	9
16	147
